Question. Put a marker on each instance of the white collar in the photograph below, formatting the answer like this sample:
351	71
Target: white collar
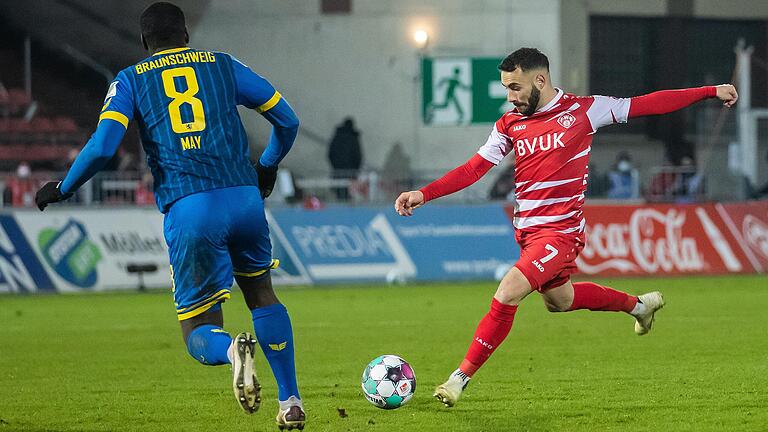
552	103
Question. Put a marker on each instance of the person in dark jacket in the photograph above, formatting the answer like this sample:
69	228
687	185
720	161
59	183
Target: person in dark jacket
345	155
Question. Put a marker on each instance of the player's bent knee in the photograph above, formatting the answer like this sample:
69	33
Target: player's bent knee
558	299
208	344
514	287
257	291
553	306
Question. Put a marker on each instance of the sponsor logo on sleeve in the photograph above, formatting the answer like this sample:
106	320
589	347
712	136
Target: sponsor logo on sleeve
112	91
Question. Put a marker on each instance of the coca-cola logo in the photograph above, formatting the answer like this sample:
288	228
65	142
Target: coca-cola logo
652	241
755	234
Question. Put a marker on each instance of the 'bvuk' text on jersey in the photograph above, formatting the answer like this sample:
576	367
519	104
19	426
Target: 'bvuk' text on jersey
546	142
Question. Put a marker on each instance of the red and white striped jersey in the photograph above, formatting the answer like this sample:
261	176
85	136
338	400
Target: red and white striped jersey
551	150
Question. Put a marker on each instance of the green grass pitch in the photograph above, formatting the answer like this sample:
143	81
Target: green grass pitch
114	362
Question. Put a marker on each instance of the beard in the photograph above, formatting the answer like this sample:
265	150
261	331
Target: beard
533	102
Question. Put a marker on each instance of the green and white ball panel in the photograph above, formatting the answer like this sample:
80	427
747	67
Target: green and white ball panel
388	382
393	401
369	386
385	388
378	372
391	361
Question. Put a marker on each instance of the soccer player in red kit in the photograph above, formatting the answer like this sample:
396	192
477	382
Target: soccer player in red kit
549	134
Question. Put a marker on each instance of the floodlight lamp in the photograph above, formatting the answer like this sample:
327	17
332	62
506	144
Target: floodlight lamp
421	37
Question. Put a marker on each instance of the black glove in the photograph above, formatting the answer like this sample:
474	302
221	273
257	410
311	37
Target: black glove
267	179
50	193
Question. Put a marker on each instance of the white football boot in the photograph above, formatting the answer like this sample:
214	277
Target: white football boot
291	415
653	301
450	391
244	381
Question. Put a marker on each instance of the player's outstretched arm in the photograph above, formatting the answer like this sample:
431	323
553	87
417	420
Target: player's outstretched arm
116	114
666	101
453	181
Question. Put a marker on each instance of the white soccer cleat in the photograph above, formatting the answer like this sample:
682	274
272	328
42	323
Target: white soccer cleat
244	381
450	391
653	301
292	417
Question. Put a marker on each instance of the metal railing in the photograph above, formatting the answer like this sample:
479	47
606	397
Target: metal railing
676	184
666	184
110	188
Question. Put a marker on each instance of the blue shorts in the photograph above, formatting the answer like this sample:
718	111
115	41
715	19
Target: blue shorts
212	235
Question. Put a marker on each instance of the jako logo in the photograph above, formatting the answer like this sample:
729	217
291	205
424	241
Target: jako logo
538	266
483	343
518	127
70	253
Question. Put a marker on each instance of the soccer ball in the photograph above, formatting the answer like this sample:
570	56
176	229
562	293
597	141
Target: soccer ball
388	382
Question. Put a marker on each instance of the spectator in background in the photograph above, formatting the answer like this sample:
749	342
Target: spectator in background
122	161
662	185
597	186
677	183
144	194
22	186
689	184
624	180
345	155
396	171
71	156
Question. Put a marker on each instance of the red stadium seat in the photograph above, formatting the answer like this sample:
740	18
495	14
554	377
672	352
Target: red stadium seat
65	124
44	125
17	99
36	152
20	126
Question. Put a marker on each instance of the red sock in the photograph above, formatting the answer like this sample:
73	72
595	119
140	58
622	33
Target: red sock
490	333
589	295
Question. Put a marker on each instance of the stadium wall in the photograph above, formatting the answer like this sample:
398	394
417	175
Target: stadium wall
365	64
76	250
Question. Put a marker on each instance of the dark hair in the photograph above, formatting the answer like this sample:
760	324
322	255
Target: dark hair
525	59
163	24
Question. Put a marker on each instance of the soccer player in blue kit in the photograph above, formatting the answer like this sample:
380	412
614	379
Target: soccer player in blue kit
185	101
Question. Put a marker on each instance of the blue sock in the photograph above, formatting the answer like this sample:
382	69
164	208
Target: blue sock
273	331
208	344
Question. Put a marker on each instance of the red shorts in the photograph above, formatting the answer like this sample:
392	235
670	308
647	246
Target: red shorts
548	259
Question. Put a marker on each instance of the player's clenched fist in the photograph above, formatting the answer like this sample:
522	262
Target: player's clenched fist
50	193
407	201
727	94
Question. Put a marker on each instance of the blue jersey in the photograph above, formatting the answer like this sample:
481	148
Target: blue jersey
185	102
